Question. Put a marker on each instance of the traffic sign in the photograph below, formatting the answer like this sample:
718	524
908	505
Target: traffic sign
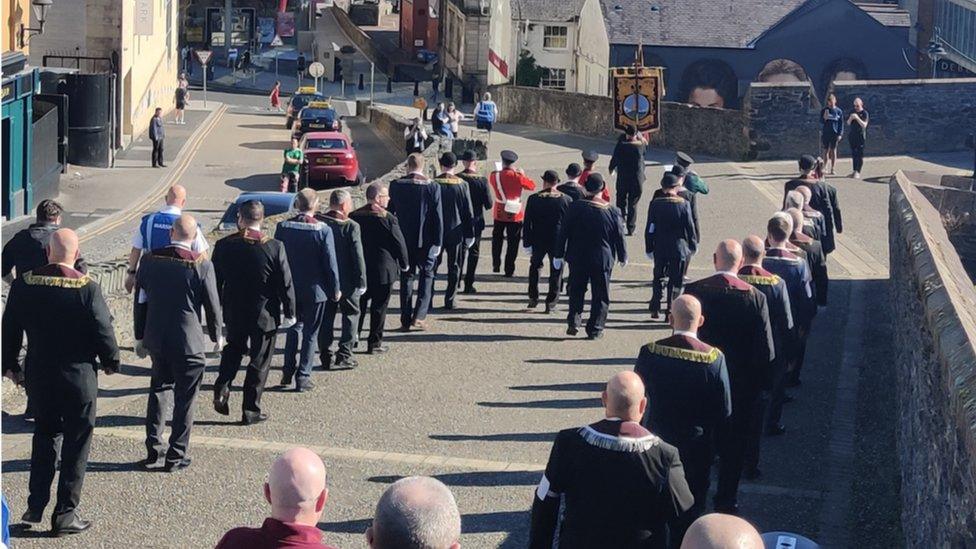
203	56
316	69
277	42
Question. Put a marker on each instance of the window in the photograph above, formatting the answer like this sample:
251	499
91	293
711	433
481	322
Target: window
555	38
553	79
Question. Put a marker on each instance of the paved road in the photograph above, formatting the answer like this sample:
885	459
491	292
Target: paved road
477	400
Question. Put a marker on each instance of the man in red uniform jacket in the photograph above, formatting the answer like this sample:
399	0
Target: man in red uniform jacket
506	186
297	493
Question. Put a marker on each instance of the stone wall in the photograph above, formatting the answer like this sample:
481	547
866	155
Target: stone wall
782	119
933	304
361	40
714	132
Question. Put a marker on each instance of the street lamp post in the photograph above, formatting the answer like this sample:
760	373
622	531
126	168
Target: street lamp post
40	13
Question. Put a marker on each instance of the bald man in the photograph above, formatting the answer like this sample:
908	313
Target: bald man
297	492
737	322
804	239
68	326
718	531
619	484
178	283
154	232
416	513
687	386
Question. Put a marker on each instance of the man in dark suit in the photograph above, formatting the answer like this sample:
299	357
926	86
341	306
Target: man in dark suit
480	203
315	274
27	249
416	201
254	282
458	223
385	255
156	134
352	282
669	240
544	212
68	326
572	186
628	162
591	239
178	282
737	322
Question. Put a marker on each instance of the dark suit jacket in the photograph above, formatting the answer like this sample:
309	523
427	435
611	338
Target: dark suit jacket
384	250
628	162
177	283
416	201
66	320
481	200
27	250
544	212
591	236
349	251
254	281
455	209
670	229
310	246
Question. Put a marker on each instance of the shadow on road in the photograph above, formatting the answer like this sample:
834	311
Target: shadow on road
558	403
257	182
278	145
498	437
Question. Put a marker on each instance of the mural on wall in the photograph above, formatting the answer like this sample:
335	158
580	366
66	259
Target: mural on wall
710	83
844	68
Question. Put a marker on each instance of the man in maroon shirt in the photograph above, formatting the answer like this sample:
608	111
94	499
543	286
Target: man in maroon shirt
297	493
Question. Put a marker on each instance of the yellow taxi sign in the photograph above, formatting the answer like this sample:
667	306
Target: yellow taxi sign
306	89
319	105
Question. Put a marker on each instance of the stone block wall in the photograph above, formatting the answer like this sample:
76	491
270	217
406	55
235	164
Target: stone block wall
782	119
933	304
714	132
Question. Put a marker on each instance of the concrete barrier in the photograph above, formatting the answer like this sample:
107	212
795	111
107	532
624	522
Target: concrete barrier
933	304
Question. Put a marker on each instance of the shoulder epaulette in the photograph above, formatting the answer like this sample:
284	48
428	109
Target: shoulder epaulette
56	281
757	280
670	198
188	262
595	204
684	354
454	180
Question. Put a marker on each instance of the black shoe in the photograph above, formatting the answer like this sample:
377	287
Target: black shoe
304	386
775	431
162	165
377	349
655	315
510	275
595	335
150	461
496	270
286	379
174	466
449	305
469	290
326	362
346	363
572	330
221	396
253	419
33	516
77	525
533	303
752	474
550	308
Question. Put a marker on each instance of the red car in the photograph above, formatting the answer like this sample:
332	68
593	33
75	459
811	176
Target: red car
330	161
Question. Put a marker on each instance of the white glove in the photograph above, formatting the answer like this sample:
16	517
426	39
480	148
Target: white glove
221	342
557	263
140	349
359	291
434	252
288	322
468	242
527	250
650	255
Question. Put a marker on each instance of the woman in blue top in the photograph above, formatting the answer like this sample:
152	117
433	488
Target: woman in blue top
832	131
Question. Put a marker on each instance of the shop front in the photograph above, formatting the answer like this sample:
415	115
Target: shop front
19	86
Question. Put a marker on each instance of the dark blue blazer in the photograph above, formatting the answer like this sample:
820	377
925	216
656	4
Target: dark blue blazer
311	253
591	236
416	201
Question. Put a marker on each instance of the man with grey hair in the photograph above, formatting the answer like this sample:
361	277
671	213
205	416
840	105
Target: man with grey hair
352	282
416	513
297	491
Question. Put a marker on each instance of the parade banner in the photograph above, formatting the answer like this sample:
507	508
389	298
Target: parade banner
637	95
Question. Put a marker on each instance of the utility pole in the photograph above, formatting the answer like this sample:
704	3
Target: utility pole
228	26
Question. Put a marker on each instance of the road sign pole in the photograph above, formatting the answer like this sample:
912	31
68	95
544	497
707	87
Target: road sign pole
372	81
205	85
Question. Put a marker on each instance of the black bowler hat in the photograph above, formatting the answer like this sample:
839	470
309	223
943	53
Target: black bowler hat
678	170
509	156
574	170
590	156
670	180
469	155
448	160
594	183
807	162
550	176
684	159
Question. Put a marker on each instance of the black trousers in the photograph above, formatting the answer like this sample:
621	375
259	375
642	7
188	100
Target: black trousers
599	283
64	402
802	331
455	256
375	300
421	270
470	261
505	233
697	456
348	306
777	395
157	152
750	457
555	276
733	441
174	384
857	155
628	194
672	268
259	347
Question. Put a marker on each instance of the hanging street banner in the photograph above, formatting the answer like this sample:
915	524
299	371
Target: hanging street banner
637	95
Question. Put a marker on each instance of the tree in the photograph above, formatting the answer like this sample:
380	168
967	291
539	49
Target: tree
527	72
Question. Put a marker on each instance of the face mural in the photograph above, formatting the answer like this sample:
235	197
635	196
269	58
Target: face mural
710	83
782	71
840	70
